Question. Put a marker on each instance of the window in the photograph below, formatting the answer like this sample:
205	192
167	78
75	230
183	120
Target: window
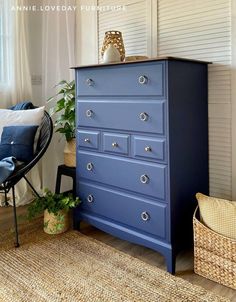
5	43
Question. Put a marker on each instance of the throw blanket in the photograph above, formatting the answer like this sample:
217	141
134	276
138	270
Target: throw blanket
22	106
7	166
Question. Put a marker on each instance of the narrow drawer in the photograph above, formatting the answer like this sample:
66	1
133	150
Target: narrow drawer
125	209
116	143
147	147
142	116
133	175
145	78
88	139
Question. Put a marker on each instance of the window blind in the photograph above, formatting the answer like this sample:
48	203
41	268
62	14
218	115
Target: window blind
202	30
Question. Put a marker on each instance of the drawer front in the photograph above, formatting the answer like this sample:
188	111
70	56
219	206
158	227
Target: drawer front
88	139
132	79
144	178
117	143
146	147
143	116
125	209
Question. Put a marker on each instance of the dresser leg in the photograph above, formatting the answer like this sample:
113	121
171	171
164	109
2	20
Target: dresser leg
170	263
76	220
76	224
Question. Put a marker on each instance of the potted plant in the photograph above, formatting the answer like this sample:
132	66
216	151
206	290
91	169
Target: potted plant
56	211
64	110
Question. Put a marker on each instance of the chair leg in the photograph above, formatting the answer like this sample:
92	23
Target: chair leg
15	217
28	182
6	204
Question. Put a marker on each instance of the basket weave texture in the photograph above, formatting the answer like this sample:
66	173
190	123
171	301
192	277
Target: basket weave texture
70	153
214	255
114	37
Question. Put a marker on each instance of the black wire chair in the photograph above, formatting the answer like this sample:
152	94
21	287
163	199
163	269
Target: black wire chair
46	130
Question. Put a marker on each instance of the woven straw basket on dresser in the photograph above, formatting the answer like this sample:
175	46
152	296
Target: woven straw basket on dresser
214	255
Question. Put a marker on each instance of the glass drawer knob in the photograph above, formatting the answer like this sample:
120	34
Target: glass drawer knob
148	149
145	216
87	140
144	179
89	82
143	116
90	198
89	166
143	79
114	145
89	113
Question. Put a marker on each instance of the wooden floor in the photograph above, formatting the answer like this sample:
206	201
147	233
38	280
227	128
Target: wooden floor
184	263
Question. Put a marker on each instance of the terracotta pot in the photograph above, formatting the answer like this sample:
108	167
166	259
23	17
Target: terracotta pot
70	153
56	224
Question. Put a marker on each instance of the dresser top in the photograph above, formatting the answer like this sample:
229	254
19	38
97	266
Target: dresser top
139	61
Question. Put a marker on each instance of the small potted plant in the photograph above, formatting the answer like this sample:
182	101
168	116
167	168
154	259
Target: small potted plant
64	110
56	211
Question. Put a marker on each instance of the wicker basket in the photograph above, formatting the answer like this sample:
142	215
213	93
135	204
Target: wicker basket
70	153
114	37
214	255
56	224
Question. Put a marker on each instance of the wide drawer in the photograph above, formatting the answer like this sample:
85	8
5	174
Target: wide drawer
147	147
132	79
116	143
88	139
133	175
142	116
123	208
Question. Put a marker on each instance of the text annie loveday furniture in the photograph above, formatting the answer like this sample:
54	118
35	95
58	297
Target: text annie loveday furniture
142	150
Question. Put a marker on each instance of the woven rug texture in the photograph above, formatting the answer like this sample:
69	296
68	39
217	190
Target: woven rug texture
72	267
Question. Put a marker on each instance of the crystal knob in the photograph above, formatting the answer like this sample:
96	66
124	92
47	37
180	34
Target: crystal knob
145	216
143	79
89	166
148	149
114	145
90	198
87	140
89	82
143	116
89	113
144	179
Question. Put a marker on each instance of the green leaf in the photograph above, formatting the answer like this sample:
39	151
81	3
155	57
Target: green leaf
64	108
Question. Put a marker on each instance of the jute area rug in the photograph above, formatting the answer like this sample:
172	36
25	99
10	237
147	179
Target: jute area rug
75	268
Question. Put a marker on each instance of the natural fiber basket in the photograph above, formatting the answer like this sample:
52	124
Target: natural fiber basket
114	37
214	255
56	224
70	153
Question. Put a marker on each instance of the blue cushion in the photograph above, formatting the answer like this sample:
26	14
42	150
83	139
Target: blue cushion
18	141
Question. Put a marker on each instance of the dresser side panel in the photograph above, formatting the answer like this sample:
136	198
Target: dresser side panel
188	144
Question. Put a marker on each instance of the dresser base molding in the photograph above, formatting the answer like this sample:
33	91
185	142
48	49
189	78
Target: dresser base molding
130	235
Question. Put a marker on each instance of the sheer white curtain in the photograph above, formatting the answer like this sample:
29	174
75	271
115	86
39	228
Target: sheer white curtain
15	80
58	56
6	53
15	73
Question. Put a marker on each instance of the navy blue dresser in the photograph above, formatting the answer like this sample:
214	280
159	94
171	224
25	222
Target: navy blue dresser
142	150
